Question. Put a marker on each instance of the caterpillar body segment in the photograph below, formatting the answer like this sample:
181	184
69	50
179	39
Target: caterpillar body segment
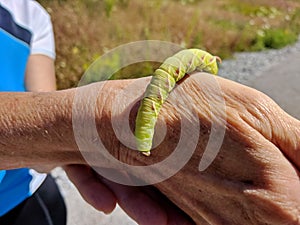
162	83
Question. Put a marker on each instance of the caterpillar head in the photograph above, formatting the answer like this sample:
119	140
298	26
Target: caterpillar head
212	64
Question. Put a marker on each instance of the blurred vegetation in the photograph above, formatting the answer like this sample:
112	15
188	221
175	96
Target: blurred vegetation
86	29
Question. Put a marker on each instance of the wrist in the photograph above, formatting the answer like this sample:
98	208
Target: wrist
97	109
33	130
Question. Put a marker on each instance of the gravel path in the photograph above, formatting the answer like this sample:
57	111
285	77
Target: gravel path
244	68
274	72
250	65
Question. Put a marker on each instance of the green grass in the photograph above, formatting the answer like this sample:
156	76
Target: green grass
85	29
274	38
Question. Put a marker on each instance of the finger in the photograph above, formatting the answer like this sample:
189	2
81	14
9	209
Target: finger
138	205
175	215
90	187
287	138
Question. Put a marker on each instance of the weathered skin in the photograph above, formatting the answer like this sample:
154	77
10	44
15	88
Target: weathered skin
254	179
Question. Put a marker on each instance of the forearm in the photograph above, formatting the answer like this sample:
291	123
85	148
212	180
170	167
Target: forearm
40	74
35	129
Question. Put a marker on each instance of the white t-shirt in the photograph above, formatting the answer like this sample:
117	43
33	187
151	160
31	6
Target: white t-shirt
33	17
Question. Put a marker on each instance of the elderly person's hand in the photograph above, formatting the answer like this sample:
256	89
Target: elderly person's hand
145	205
254	178
248	149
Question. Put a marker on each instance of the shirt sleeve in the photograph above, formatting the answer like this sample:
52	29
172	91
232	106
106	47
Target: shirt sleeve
43	38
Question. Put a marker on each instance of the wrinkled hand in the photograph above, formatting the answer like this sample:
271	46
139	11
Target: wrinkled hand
254	178
144	205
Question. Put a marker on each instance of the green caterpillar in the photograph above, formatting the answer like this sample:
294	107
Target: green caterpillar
163	81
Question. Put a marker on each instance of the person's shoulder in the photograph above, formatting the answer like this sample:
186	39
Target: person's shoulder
36	9
26	11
